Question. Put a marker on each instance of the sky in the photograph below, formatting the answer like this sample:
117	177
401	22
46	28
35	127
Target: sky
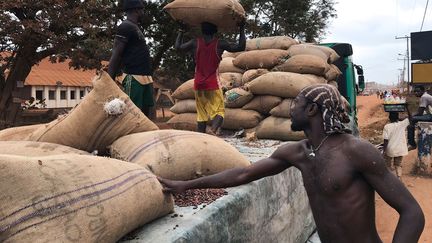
371	27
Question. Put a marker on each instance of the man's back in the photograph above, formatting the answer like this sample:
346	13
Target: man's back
395	133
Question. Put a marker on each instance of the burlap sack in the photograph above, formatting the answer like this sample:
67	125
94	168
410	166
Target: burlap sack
185	121
236	119
76	198
315	79
282	84
263	103
237	97
332	73
31	148
330	52
334	83
18	133
178	155
252	74
279	129
226	54
304	64
88	126
234	78
185	91
227	66
273	42
226	14
184	106
261	59
283	109
307	49
225	84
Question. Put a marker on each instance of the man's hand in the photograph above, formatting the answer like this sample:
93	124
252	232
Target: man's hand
183	27
170	186
242	24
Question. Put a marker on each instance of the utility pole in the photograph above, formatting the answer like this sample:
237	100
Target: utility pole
407	57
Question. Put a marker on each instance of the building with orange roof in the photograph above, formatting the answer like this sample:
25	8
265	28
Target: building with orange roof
59	85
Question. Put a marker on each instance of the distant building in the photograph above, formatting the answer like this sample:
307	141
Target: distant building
60	86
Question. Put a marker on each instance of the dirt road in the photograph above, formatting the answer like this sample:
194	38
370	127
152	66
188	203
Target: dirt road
372	119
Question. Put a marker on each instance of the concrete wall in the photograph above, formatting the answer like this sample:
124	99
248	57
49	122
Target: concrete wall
273	209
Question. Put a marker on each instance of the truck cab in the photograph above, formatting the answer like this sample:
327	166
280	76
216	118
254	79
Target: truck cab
347	82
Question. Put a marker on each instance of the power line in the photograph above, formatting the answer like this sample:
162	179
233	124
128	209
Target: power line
424	15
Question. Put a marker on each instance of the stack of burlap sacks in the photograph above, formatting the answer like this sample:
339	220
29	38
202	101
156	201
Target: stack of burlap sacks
54	190
260	85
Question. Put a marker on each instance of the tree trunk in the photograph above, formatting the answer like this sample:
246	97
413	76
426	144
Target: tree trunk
20	70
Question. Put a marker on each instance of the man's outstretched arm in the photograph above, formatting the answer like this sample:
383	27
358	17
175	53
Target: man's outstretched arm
372	166
275	164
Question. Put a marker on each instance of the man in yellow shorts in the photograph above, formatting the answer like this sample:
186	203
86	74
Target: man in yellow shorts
208	95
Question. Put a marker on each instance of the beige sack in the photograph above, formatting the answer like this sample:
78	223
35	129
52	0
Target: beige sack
225	84
315	79
235	79
18	133
76	198
236	119
226	54
307	49
178	155
31	148
185	121
263	103
332	73
227	66
282	84
184	106
278	129
330	52
273	42
334	83
283	109
237	97
252	74
261	59
89	127
185	91
304	64
226	14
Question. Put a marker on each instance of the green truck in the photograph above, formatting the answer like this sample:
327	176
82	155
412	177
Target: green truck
351	82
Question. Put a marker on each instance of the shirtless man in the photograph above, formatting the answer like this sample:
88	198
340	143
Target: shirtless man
341	174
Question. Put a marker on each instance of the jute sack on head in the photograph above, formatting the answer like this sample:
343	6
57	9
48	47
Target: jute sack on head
185	121
263	103
307	49
178	155
226	54
315	79
332	73
18	133
184	106
279	129
234	78
185	91
227	66
261	59
90	126
252	74
236	119
237	97
76	198
31	148
226	14
304	64
273	42
283	109
282	84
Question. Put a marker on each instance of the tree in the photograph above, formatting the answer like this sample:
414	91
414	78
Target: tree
31	30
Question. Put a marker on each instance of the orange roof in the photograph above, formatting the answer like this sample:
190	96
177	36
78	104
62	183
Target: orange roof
48	74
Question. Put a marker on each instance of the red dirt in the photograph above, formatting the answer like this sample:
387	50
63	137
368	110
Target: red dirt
372	119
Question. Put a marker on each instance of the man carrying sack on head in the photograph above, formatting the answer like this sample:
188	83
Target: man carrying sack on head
207	52
131	50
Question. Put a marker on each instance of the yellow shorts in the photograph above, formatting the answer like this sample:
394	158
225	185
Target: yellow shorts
209	103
